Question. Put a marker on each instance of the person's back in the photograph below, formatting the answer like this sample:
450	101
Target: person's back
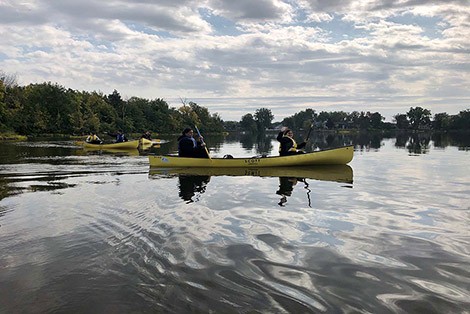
186	146
120	137
147	136
189	147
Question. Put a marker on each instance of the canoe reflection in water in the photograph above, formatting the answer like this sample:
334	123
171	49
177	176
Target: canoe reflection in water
189	185
193	181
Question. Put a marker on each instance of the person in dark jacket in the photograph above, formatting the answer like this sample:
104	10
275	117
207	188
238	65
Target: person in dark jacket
189	147
119	136
147	135
288	146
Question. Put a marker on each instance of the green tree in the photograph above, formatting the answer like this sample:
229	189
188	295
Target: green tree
162	118
303	119
461	121
96	107
364	120
3	108
263	118
135	112
376	120
193	114
53	107
441	121
14	100
402	121
248	123
323	117
121	108
189	116
419	117
215	123
329	123
231	125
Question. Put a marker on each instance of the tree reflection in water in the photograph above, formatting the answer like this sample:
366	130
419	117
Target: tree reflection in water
191	187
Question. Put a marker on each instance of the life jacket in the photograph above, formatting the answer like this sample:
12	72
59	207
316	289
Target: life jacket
294	145
91	138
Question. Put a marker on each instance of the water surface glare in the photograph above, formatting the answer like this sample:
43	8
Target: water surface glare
96	232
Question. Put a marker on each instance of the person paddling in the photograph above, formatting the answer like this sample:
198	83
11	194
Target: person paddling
188	146
120	137
147	135
288	146
93	139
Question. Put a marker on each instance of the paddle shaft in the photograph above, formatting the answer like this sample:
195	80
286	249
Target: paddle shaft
311	127
309	131
202	141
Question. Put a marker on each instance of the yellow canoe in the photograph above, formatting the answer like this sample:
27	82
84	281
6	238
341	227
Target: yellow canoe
122	145
337	173
334	156
155	141
145	143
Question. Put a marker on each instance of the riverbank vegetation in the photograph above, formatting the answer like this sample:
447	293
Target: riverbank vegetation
49	108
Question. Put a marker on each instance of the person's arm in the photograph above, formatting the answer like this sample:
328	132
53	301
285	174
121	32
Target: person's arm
301	145
200	143
281	133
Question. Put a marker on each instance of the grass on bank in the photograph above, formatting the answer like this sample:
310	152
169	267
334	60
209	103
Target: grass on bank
12	137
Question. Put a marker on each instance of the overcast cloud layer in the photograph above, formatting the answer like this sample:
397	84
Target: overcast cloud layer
236	56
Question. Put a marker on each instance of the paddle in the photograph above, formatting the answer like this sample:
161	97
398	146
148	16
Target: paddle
309	131
308	134
202	141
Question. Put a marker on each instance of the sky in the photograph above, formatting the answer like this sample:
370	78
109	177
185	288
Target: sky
236	56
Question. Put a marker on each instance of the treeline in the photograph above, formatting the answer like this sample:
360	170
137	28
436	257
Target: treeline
415	119
52	109
49	108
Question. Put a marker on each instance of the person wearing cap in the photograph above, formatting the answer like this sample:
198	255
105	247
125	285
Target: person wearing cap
188	146
288	146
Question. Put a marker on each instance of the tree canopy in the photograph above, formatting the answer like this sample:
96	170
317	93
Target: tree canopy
51	108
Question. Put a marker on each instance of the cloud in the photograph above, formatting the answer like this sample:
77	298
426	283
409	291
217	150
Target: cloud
261	10
293	53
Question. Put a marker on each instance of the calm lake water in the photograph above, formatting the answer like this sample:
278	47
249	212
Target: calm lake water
99	232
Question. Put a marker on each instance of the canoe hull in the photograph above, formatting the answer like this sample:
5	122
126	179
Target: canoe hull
123	145
145	142
334	156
